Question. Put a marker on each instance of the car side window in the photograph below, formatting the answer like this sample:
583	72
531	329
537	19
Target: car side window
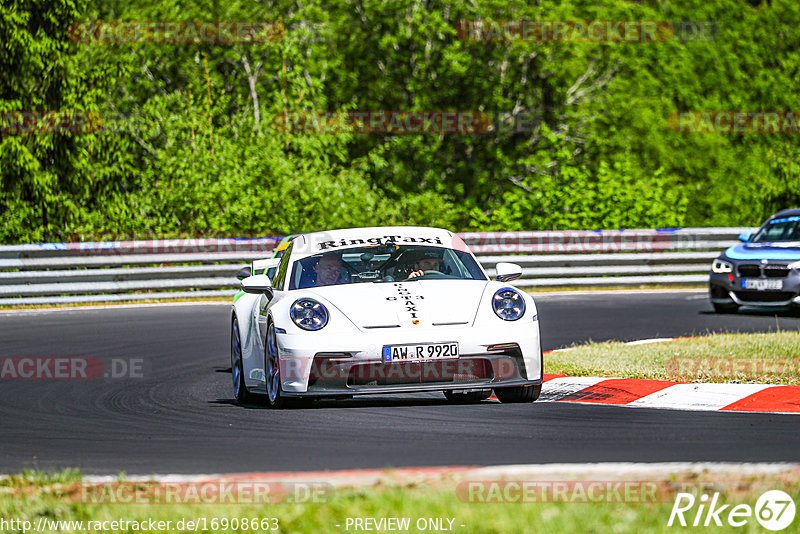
278	282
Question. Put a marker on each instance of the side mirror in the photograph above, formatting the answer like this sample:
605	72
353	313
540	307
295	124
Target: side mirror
243	273
257	284
506	272
745	236
259	266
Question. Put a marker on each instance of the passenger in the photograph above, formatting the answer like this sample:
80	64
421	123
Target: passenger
427	261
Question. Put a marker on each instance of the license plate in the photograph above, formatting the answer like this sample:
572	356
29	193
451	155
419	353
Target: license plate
761	284
419	352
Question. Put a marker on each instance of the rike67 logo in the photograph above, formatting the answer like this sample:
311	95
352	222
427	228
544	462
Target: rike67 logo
774	510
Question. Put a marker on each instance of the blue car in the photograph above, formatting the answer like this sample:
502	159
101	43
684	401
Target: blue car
763	271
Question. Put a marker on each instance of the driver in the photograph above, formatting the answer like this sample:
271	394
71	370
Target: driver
427	261
328	271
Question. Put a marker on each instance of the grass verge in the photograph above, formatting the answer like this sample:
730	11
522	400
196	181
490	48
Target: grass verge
8	307
32	496
764	358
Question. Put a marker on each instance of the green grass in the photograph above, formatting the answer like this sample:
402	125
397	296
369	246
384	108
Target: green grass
29	497
767	358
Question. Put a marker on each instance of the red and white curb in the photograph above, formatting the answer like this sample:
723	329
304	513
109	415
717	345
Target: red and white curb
640	393
762	398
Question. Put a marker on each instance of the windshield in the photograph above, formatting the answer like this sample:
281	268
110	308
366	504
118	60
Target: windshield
384	263
784	229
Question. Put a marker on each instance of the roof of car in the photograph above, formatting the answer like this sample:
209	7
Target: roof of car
332	240
786	213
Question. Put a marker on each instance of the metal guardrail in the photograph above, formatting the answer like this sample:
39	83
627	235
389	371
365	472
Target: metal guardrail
53	273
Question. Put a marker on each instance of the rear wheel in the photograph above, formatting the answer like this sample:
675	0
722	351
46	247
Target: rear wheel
518	394
240	391
467	397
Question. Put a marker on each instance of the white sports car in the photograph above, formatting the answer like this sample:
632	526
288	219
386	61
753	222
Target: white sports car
382	310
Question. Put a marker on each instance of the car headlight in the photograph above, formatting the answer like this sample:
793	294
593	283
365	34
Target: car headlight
721	266
308	314
508	304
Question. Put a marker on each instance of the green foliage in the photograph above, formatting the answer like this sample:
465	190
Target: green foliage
192	140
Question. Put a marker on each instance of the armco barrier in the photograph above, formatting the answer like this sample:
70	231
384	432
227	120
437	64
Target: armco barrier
51	273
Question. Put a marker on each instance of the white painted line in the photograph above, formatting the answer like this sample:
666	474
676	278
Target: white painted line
576	471
648	341
698	396
631	470
606	292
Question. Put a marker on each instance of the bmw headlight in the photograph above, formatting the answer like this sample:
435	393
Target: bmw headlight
508	304
795	266
721	266
309	314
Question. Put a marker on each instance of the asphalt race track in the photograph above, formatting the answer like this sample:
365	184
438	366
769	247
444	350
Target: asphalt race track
179	416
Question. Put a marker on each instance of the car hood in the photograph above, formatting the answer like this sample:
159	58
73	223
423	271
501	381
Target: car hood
786	251
406	304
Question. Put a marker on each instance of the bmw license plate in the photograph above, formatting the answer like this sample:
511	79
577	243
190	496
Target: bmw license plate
761	284
419	352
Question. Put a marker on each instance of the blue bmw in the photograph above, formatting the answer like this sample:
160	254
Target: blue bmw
763	271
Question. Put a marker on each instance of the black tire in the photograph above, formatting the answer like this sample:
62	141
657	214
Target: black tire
272	369
272	376
240	391
518	394
728	307
467	397
724	303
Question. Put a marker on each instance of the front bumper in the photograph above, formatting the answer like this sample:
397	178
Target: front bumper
723	290
313	365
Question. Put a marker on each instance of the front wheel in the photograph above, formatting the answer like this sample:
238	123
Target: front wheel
727	307
272	369
518	394
721	300
272	375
